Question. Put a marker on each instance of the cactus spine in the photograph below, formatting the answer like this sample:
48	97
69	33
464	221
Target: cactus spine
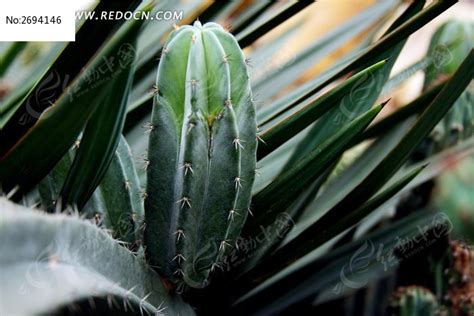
202	153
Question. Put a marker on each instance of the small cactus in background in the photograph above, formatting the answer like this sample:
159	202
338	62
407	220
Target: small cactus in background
413	301
454	196
201	153
449	45
460	274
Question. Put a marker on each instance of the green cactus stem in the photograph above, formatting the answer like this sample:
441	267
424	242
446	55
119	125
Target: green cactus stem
202	153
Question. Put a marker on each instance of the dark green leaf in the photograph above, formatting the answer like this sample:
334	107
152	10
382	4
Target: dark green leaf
101	135
9	56
65	69
292	125
375	51
251	35
55	131
304	242
334	271
275	80
359	100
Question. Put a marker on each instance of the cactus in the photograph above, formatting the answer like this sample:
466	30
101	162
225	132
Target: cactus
201	160
413	301
116	203
449	45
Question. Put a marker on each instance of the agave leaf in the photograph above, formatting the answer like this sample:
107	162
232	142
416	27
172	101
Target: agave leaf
269	113
58	127
304	241
403	75
359	100
276	197
65	68
352	176
268	50
373	52
49	189
100	137
252	34
421	128
328	228
414	107
28	80
9	56
275	81
270	166
337	270
283	189
437	163
217	10
292	125
250	15
431	167
57	260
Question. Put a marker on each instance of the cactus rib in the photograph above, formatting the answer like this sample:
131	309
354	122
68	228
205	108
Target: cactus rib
202	151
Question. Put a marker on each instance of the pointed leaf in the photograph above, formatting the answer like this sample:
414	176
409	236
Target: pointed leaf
359	100
303	242
249	36
292	125
375	51
351	265
276	197
58	127
275	80
101	134
66	67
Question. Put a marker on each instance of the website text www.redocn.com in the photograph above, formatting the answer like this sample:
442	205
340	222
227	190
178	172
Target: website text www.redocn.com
130	15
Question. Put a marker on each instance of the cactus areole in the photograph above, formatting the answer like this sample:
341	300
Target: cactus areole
202	154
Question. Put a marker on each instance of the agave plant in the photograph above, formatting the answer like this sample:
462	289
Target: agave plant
88	229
